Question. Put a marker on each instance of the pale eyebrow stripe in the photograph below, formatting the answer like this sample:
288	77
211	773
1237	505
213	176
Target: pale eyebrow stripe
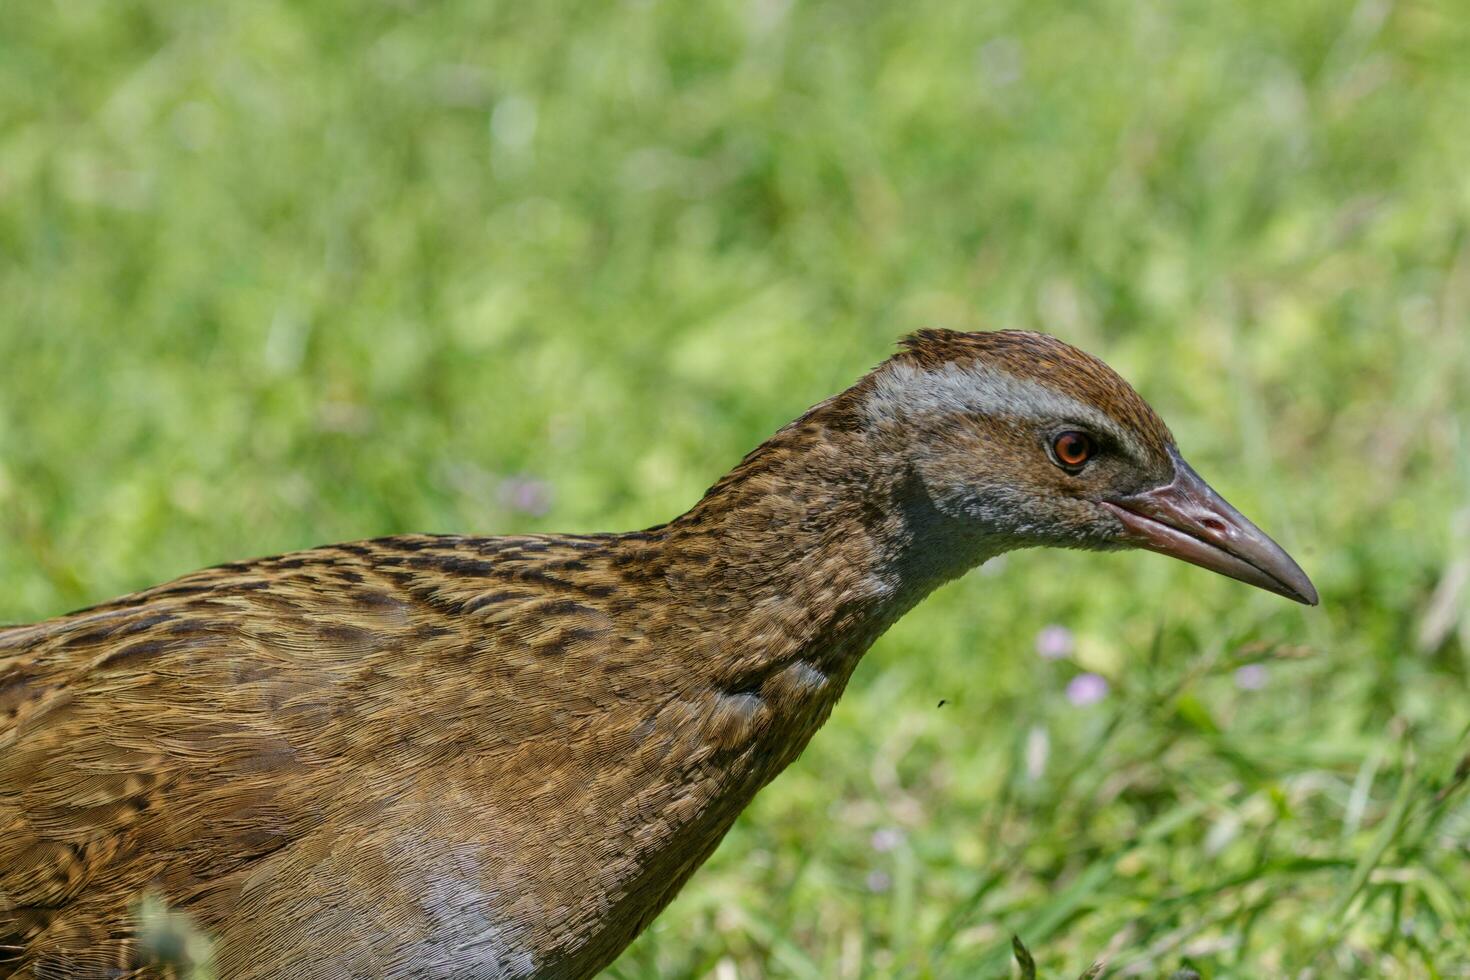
982	390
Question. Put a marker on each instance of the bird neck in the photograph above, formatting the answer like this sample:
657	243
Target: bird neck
811	548
752	610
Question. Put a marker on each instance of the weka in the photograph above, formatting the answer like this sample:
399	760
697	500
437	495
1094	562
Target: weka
501	757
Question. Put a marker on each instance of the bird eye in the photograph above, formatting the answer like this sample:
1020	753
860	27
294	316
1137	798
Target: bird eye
1072	449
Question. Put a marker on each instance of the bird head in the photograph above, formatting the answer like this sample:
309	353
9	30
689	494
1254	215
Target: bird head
1038	443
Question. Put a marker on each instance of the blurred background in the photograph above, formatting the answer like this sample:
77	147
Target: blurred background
279	274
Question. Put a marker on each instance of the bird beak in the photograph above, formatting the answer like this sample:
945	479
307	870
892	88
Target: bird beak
1187	519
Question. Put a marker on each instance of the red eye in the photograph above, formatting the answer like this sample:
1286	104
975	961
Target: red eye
1072	449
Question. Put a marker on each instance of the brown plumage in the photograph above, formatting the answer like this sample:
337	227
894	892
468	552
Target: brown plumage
501	757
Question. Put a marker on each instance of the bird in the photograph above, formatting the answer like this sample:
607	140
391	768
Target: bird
500	757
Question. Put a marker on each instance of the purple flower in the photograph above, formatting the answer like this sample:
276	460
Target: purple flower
526	495
885	839
879	881
1251	677
1085	689
1055	643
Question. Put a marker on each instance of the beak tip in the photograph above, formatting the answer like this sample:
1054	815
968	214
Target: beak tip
1291	581
1304	598
1306	592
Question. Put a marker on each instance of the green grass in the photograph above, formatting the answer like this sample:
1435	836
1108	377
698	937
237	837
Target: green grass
280	274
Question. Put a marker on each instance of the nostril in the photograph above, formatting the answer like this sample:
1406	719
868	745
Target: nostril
1213	524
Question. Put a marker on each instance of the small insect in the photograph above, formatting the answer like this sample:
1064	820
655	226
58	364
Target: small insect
942	703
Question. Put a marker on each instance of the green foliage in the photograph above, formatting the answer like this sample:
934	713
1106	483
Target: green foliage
280	274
